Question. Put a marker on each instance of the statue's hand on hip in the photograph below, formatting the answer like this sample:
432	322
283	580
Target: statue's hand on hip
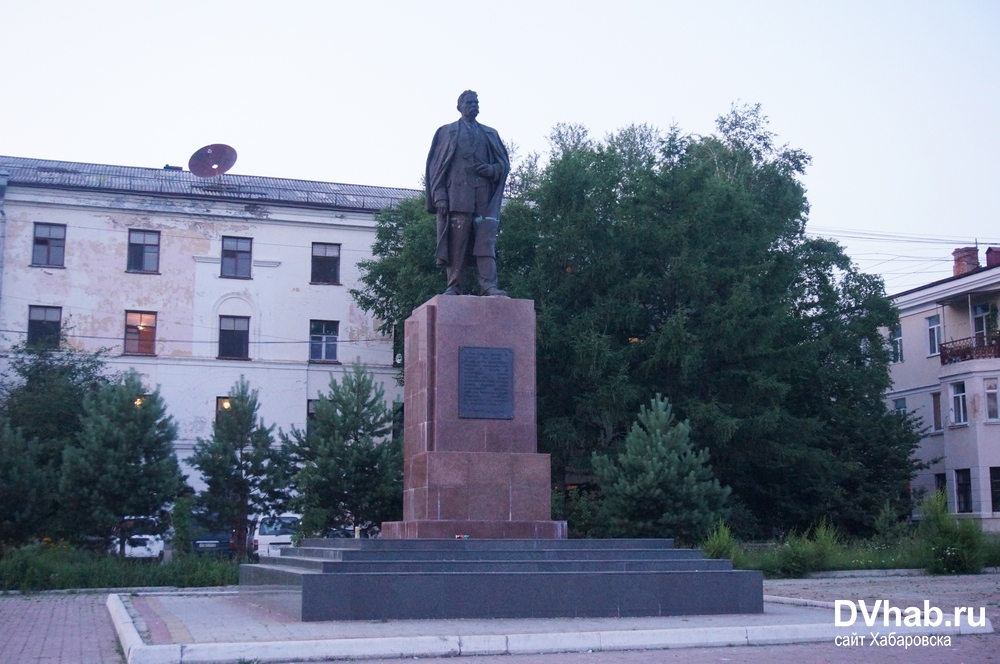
486	171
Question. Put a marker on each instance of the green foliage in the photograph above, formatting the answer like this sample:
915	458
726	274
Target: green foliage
351	469
951	545
721	544
122	463
402	274
659	485
582	509
54	566
679	265
41	396
891	526
21	485
183	526
238	465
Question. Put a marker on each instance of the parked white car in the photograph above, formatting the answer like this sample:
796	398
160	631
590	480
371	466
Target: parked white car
141	538
273	532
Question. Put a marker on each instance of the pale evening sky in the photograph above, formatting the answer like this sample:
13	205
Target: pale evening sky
897	102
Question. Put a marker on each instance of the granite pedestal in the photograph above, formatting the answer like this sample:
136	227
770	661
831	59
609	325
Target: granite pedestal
471	465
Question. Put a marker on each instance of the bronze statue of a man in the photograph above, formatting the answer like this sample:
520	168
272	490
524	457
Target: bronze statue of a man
466	172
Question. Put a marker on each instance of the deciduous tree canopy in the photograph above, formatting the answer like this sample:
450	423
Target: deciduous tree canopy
677	264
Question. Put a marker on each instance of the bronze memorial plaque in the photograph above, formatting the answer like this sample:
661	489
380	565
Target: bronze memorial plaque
486	383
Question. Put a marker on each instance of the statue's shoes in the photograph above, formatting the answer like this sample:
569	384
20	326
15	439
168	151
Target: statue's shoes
495	292
452	291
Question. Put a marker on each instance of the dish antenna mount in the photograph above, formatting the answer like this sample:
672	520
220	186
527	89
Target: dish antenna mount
212	160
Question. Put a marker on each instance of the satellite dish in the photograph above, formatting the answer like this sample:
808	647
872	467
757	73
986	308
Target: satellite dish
212	160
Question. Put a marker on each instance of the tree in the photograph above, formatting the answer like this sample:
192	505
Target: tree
659	485
351	468
662	263
21	485
122	463
237	464
42	395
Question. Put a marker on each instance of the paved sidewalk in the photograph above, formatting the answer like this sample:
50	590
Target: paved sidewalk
47	628
214	626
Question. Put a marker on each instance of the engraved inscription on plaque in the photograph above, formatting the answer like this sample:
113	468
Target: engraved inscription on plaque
486	383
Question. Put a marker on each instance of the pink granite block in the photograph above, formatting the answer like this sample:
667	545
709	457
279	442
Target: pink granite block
531	469
490	469
418	470
444	503
447	469
530	503
492	504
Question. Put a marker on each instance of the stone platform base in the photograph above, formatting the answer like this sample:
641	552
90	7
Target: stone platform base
474	529
401	579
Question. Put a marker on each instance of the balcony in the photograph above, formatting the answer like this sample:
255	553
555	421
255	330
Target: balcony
971	348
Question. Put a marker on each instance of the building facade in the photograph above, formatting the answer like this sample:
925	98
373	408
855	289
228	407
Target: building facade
193	282
946	368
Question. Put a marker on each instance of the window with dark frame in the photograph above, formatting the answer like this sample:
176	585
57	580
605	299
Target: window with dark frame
899	406
44	326
140	333
143	251
936	411
49	248
234	337
311	409
896	345
940	481
934	334
325	263
963	490
995	488
221	405
959	406
236	257
323	340
992	405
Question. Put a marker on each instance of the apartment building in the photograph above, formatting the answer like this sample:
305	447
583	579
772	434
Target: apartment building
193	281
946	353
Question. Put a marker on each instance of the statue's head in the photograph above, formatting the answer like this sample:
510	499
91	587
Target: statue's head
468	104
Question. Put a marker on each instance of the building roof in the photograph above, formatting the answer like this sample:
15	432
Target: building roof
946	280
166	181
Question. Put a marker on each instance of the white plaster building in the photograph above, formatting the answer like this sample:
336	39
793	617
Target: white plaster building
192	281
946	370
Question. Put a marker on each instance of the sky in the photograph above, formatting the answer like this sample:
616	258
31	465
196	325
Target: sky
898	103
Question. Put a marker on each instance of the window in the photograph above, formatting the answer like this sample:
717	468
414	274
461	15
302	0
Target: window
143	251
899	406
940	482
140	333
995	488
980	315
934	335
323	340
992	412
44	326
50	245
959	411
896	345
963	490
234	337
236	252
221	404
936	410
311	409
325	263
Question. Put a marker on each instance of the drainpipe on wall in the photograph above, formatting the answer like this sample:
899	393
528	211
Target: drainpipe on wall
4	178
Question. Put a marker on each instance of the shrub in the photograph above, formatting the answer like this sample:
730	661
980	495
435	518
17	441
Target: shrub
951	546
721	544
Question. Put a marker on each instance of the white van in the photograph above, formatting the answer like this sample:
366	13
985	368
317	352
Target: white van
273	532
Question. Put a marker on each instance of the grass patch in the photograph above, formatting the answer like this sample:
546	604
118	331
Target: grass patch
58	567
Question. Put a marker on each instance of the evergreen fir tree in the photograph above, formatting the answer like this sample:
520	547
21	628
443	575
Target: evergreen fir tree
351	468
123	461
659	485
238	465
21	482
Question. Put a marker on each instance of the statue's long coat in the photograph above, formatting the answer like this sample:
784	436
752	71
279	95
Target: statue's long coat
439	162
